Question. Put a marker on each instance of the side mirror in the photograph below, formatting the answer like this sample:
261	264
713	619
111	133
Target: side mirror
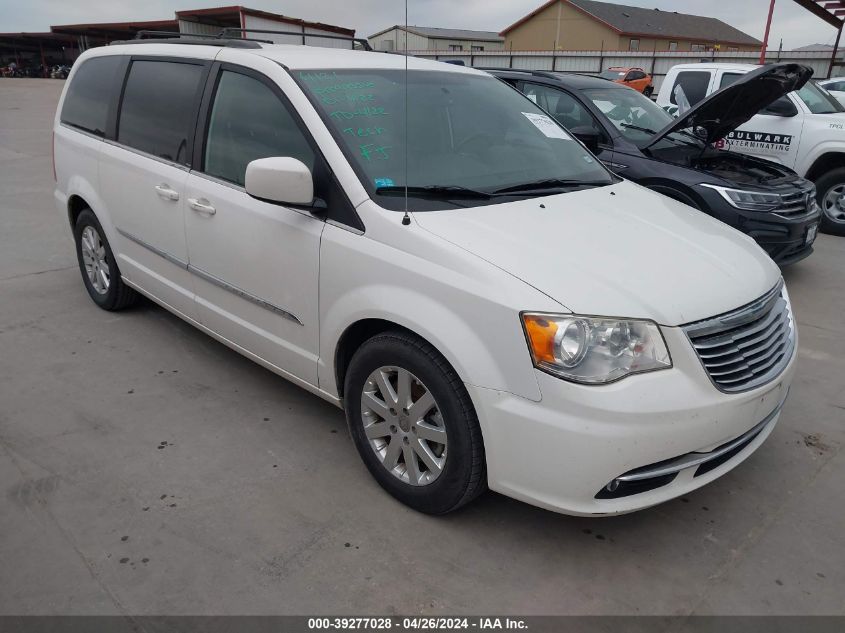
284	180
782	107
588	136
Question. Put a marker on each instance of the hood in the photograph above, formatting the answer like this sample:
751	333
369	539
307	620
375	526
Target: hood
620	250
726	109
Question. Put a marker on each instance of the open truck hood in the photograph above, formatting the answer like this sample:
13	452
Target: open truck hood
726	109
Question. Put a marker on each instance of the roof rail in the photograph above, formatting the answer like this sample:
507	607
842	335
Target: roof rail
230	30
199	39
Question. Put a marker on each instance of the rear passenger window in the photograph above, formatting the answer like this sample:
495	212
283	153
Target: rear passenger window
158	110
728	79
694	84
248	121
90	93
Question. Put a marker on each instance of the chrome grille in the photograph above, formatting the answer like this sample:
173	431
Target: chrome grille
795	205
748	347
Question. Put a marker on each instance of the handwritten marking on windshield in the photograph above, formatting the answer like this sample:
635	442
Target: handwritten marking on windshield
371	150
364	131
365	112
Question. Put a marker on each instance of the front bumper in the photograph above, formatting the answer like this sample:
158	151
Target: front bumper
562	452
786	240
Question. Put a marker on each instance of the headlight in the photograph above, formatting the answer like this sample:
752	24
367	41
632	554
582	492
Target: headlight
749	200
594	350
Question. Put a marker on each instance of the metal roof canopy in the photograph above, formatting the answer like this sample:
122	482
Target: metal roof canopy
106	32
830	12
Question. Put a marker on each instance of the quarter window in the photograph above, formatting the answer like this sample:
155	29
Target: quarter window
158	110
90	93
728	79
248	122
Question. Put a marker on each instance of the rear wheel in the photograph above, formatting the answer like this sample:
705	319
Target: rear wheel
100	273
413	423
831	198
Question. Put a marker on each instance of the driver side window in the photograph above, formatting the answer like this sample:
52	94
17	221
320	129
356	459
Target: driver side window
565	109
247	122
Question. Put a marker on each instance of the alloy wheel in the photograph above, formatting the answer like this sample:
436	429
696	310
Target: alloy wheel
95	261
834	204
404	425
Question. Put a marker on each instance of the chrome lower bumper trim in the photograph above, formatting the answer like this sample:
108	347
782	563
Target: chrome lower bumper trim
691	460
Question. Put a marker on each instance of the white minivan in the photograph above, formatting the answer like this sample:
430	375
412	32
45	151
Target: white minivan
489	304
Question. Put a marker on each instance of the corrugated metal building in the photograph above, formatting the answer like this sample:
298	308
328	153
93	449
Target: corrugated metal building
426	38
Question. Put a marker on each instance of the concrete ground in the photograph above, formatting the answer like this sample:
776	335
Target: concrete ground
147	469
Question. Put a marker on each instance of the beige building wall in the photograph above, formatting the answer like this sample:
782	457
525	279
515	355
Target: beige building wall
561	26
577	32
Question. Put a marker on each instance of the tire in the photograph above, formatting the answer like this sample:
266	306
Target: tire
832	182
105	288
447	415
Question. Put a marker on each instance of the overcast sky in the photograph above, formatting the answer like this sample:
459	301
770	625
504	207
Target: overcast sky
796	26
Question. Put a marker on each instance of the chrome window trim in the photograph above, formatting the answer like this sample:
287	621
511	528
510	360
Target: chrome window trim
147	155
199	272
345	227
79	130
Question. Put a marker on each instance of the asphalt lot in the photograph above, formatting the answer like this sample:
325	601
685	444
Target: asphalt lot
147	469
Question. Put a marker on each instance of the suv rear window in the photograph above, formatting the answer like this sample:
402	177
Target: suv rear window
90	93
158	109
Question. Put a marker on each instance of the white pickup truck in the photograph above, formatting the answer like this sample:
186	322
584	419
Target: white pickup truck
805	130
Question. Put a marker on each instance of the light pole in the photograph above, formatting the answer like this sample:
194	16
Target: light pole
766	36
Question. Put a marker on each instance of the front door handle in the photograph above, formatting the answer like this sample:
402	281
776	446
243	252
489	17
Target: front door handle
164	191
201	205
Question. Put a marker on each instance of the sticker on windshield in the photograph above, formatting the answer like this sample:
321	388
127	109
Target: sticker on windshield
384	182
547	126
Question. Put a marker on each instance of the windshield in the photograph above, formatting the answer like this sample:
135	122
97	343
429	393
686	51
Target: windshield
818	100
465	132
613	75
633	114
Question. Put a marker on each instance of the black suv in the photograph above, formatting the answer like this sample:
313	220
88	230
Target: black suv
679	157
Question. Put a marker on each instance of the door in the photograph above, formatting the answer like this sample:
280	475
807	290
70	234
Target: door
571	114
255	264
143	173
771	135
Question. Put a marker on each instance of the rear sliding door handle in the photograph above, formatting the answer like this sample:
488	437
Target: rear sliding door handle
201	205
164	191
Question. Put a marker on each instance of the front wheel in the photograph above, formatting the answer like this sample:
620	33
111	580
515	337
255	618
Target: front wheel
831	198
413	423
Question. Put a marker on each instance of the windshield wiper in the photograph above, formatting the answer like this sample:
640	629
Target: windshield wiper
638	128
543	185
434	191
